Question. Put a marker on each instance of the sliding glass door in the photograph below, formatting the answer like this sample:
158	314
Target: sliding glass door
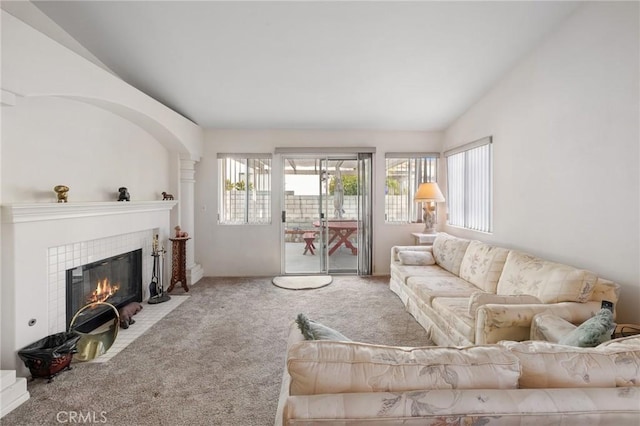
324	210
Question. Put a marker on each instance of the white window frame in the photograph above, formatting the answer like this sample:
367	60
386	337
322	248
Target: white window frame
245	201
470	185
409	210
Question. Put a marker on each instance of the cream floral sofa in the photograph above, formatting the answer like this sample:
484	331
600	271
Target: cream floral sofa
511	383
466	292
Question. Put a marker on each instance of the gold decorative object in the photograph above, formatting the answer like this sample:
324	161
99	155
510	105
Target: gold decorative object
62	191
92	345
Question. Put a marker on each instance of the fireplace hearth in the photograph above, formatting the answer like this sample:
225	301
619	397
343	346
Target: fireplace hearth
116	280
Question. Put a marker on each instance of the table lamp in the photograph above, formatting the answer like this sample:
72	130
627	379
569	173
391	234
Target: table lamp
429	193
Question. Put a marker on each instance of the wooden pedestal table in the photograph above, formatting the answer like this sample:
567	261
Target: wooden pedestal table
178	263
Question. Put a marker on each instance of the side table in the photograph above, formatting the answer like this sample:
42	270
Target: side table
625	330
421	239
178	263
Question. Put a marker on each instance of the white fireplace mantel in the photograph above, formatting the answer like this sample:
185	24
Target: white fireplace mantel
41	241
32	212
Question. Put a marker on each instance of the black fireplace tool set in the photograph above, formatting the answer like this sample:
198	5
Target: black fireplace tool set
156	288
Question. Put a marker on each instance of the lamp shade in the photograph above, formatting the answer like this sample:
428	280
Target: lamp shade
429	191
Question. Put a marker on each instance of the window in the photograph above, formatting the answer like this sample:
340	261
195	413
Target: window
469	185
404	173
244	189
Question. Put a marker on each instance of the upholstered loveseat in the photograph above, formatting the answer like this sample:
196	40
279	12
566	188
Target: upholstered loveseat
466	292
511	383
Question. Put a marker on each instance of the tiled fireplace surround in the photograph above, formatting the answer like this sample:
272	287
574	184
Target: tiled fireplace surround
41	241
70	256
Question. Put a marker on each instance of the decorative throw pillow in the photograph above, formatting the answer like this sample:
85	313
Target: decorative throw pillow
448	251
416	258
592	332
312	330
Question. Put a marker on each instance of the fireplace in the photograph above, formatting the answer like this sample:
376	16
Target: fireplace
116	280
56	237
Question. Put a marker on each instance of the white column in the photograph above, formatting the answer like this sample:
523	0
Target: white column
187	216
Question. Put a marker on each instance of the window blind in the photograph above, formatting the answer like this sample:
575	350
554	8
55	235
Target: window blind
469	185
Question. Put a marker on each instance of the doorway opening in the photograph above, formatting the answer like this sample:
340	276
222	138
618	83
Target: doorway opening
326	214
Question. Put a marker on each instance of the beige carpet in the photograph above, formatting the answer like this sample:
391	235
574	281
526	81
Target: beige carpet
302	282
216	359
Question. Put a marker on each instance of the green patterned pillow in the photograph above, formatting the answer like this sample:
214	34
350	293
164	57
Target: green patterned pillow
312	330
592	332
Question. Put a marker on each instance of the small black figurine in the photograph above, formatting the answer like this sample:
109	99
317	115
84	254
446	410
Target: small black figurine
166	196
124	194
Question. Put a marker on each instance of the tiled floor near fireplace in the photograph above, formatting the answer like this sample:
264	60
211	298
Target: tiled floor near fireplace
148	316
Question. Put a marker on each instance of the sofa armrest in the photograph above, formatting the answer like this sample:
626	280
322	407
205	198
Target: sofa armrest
481	298
396	249
550	328
606	290
513	322
294	336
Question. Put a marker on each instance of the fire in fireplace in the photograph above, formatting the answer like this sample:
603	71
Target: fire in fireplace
116	280
104	290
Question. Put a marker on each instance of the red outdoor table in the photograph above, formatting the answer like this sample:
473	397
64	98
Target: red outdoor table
340	230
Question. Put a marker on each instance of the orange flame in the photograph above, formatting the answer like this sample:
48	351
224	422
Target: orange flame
103	291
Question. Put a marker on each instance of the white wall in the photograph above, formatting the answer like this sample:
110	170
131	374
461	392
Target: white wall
34	65
67	121
68	111
566	136
254	250
49	141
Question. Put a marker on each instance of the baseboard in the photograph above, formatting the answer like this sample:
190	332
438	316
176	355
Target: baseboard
14	392
195	274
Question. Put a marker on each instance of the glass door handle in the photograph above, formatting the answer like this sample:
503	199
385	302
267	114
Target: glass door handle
284	216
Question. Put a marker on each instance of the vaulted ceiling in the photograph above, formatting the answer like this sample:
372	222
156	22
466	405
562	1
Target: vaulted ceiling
326	65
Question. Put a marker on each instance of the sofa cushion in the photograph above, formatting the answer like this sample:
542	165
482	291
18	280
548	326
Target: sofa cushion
551	365
482	265
606	290
402	273
455	310
628	342
548	281
480	298
319	367
448	251
418	258
426	288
